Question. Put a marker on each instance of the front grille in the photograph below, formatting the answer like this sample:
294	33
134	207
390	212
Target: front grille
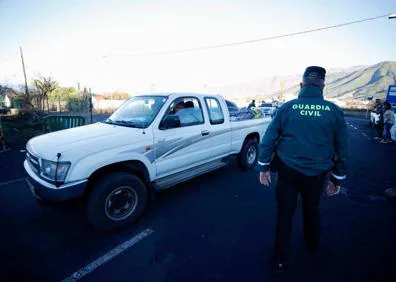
33	162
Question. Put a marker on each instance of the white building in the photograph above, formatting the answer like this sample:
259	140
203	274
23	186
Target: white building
6	96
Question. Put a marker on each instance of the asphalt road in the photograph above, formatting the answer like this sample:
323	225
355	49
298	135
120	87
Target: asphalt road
219	227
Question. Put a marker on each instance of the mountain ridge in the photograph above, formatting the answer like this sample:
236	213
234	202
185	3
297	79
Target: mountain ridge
356	82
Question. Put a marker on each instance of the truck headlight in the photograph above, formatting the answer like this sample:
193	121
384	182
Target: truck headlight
54	171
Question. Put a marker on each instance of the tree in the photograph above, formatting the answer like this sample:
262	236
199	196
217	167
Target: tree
75	104
63	94
71	99
45	86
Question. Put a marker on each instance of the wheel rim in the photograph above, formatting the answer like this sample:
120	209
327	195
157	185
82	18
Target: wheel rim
121	203
251	155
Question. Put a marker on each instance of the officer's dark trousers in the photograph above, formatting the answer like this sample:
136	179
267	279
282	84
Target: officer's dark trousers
380	130
291	183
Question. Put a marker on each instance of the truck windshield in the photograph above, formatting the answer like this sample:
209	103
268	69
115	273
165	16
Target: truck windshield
139	111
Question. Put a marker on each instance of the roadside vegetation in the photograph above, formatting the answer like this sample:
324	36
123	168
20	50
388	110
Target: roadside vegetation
22	113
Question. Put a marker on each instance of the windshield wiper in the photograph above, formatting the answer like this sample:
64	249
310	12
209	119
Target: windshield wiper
123	123
128	123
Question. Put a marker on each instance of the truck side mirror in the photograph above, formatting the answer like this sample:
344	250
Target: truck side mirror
170	121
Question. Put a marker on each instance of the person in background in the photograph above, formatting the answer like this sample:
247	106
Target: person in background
389	121
252	104
306	140
379	124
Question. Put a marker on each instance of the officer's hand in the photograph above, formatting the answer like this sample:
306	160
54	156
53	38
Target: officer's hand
265	178
333	189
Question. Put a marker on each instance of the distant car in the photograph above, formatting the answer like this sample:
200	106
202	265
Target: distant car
267	109
232	108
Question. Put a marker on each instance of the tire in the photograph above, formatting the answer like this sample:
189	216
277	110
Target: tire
247	158
117	190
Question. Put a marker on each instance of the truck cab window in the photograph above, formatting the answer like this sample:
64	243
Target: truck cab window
216	115
186	110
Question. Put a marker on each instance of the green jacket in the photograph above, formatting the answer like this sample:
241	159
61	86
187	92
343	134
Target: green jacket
308	134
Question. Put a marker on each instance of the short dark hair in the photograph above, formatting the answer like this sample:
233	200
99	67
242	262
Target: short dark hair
387	105
314	75
189	104
313	81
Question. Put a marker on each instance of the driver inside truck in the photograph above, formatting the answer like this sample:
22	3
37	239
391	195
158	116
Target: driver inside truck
179	106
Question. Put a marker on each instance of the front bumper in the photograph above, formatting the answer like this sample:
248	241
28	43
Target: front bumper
46	191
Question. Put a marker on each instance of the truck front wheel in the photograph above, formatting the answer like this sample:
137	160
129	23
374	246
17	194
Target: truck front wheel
248	156
116	199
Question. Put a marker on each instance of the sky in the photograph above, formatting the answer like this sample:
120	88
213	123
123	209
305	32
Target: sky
96	43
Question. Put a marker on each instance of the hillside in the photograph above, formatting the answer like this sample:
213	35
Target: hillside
352	83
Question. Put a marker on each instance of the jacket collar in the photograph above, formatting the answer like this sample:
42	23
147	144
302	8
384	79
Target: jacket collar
310	92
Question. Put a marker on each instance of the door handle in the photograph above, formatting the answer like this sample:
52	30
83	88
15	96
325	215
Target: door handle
205	132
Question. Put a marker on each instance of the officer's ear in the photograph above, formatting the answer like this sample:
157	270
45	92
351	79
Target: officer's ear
323	86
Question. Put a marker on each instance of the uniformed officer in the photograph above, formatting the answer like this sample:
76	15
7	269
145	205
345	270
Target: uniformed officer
306	141
252	104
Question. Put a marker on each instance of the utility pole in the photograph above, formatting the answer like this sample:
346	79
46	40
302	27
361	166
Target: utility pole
85	98
90	103
24	74
59	103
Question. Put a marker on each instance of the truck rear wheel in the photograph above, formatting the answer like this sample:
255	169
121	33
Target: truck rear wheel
248	156
116	199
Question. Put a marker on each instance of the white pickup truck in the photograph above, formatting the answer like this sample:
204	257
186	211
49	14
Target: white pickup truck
150	143
267	109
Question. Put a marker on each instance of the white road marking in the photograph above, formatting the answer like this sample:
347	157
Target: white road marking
108	256
363	133
12	181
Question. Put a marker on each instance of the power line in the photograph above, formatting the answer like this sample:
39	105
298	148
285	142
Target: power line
177	51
